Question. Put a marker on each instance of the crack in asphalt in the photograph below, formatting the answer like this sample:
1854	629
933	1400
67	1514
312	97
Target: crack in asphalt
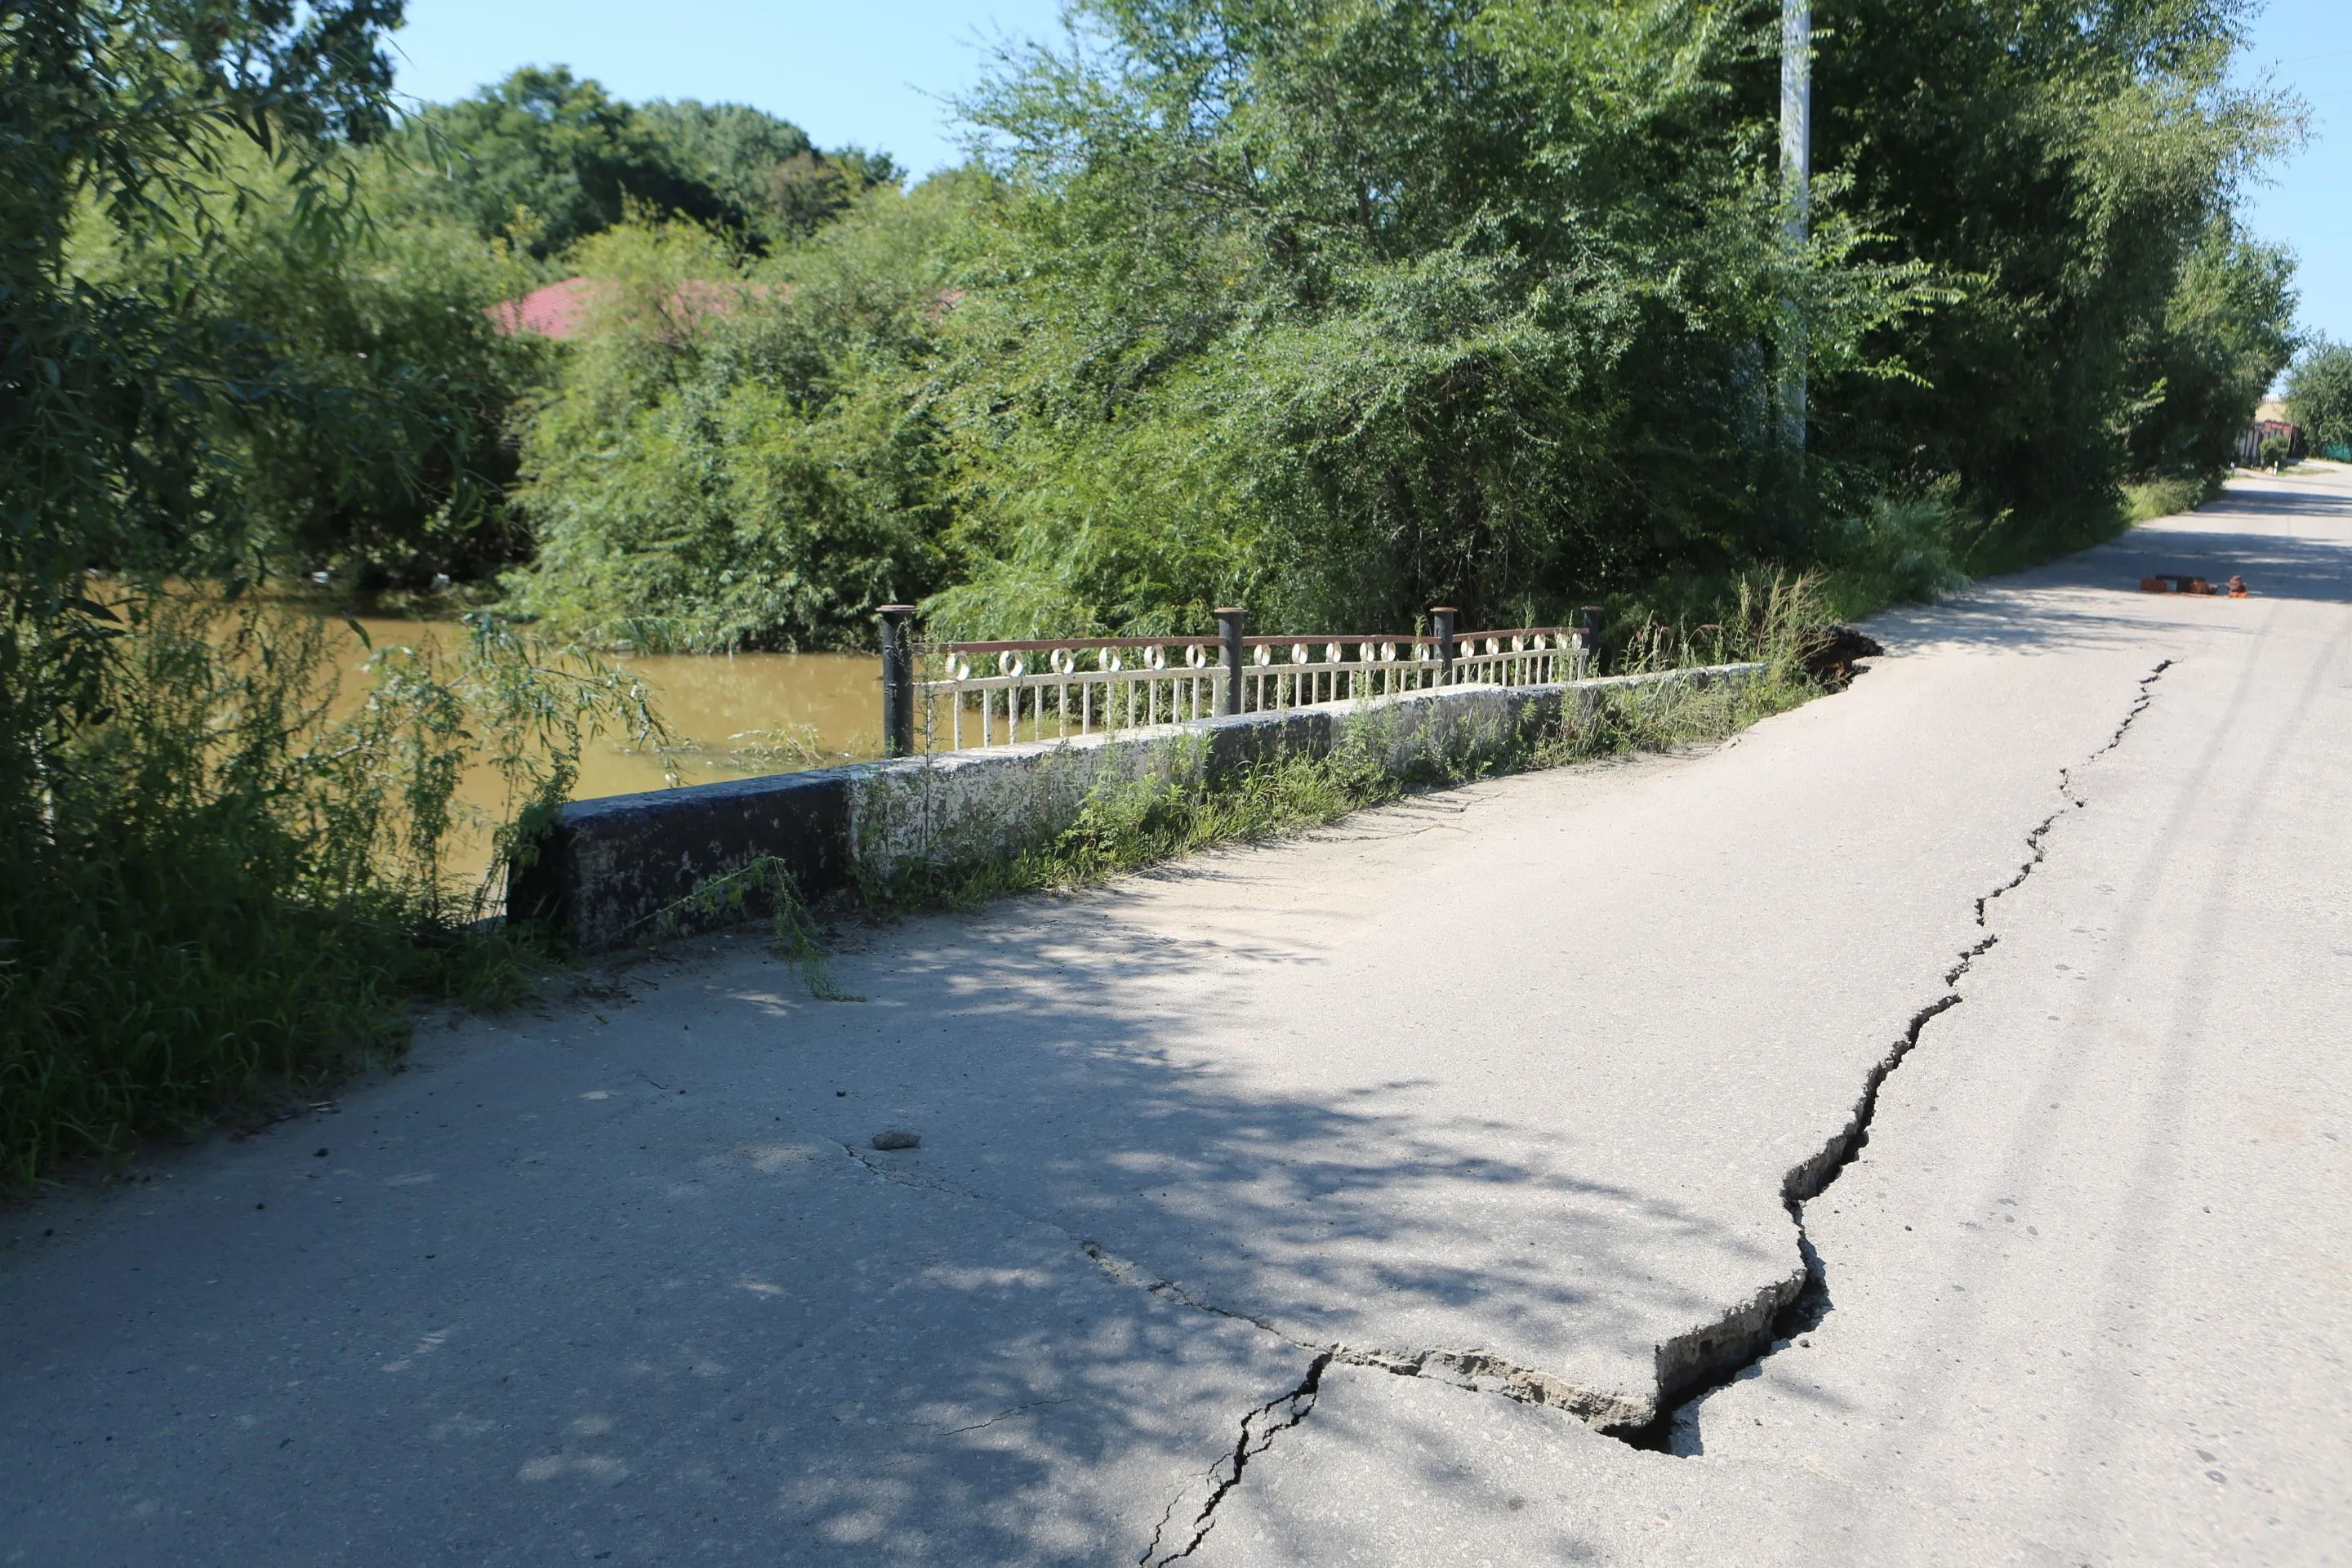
1690	1366
1804	1298
1474	1370
1469	1369
1008	1414
1257	1435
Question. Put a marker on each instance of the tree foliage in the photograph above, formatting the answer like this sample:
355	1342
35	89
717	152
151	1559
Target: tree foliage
385	456
2204	364
2072	169
138	115
2319	393
553	159
757	466
1344	308
217	883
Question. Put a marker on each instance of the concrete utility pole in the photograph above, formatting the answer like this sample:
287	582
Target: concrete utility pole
1796	201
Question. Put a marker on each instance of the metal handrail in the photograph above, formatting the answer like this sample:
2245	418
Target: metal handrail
1042	644
1176	678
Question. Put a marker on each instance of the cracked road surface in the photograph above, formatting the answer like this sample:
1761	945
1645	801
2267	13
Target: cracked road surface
1333	1202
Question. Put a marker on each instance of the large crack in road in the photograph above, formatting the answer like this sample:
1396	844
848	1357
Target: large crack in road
1689	1367
1259	1428
1803	1301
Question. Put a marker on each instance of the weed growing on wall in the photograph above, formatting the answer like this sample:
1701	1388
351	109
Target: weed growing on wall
1126	824
761	886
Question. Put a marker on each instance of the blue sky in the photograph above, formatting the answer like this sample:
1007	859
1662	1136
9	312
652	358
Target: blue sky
2305	46
871	72
876	72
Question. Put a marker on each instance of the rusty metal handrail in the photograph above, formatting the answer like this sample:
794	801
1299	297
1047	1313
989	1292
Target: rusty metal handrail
1150	681
1255	639
1045	645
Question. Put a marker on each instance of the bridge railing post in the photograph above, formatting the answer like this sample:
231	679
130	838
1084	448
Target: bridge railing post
1232	623
1588	652
897	679
1442	619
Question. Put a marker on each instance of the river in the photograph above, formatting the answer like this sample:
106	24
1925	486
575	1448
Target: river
730	716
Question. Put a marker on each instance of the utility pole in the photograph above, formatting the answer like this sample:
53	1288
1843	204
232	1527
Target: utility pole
1796	201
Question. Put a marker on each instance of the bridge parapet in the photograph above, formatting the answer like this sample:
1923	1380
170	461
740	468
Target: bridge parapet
607	869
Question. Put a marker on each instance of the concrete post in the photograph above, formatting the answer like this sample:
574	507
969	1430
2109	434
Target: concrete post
897	679
1229	623
1440	625
1589	656
1796	218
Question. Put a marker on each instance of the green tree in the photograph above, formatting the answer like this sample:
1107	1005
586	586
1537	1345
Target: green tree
782	188
1343	307
555	154
565	160
1352	308
2319	393
131	114
1365	308
729	147
393	471
2205	363
749	462
402	477
2066	166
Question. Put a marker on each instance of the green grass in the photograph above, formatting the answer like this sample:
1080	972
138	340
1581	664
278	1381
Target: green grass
148	994
1913	552
2149	499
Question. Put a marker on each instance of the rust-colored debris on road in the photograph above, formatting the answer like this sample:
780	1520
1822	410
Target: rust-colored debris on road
2171	584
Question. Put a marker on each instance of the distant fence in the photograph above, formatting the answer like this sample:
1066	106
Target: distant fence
2250	439
975	695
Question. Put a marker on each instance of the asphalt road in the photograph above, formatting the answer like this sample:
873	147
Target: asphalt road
1326	1203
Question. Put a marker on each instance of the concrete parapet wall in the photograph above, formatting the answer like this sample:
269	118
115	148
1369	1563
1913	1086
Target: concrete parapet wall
607	869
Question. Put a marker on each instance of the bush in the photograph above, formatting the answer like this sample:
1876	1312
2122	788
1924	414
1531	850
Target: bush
1896	551
756	476
234	894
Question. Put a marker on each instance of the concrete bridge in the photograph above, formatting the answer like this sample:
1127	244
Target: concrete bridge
1918	1131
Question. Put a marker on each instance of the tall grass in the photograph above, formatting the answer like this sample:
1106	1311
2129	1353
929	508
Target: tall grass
221	891
2146	499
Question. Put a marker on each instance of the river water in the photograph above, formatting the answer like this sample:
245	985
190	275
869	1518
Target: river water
730	715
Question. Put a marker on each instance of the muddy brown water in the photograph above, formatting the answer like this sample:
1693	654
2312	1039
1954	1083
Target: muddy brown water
730	716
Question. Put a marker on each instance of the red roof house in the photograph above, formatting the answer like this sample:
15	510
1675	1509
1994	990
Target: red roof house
563	310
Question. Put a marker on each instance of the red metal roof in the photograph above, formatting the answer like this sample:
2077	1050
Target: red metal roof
559	310
563	310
